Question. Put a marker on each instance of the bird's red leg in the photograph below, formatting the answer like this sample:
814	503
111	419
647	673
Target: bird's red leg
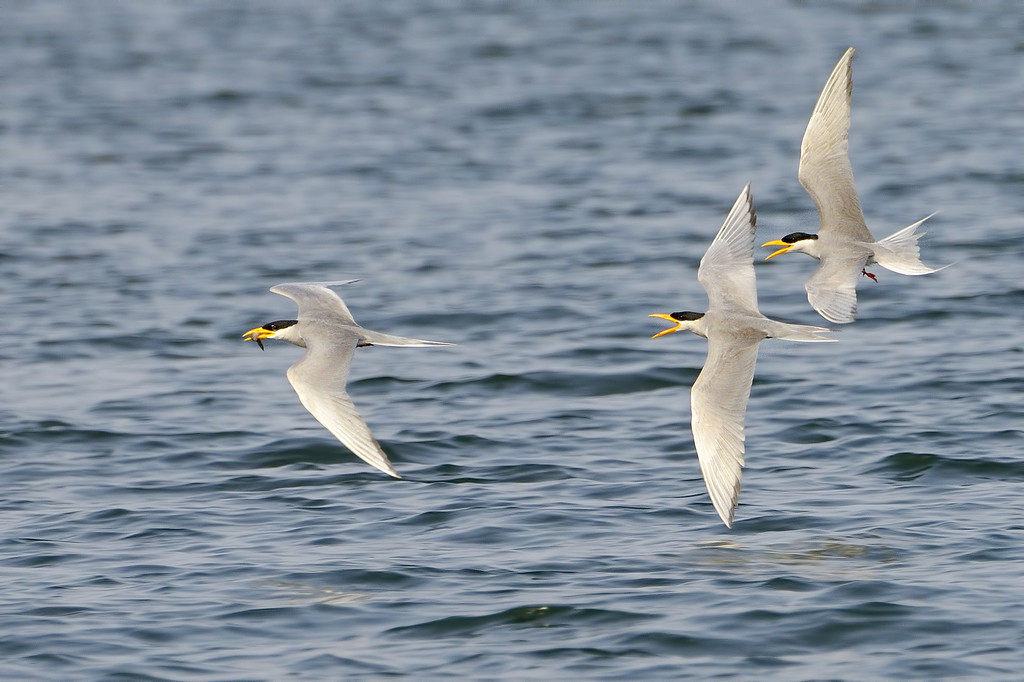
868	274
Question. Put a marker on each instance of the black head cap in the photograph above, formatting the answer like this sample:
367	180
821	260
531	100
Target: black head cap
277	325
686	316
794	237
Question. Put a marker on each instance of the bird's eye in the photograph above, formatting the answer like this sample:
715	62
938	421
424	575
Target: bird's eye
272	326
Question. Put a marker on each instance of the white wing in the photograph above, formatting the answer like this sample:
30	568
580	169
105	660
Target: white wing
316	301
319	379
318	304
718	404
832	288
825	170
727	269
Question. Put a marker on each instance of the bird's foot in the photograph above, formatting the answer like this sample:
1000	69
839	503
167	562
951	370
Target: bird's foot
868	274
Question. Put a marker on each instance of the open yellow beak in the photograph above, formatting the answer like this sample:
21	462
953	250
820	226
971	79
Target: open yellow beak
777	242
666	316
257	335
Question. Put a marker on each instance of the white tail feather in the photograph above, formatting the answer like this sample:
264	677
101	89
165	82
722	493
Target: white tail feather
799	332
900	252
382	339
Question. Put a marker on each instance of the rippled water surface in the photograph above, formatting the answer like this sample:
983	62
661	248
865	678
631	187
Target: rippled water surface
528	180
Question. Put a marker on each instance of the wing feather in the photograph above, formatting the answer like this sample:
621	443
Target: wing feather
832	287
727	269
718	405
319	379
825	170
315	300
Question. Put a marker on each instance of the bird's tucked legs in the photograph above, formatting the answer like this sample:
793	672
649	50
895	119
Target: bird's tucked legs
868	274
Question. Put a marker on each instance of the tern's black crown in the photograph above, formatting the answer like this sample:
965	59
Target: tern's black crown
686	316
277	325
794	237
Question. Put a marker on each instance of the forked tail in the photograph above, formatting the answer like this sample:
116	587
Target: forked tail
799	332
381	339
900	252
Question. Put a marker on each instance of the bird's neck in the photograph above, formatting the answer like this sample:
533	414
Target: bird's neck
292	336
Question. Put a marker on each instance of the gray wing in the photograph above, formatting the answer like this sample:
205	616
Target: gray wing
316	301
319	379
832	288
727	269
825	170
318	304
718	404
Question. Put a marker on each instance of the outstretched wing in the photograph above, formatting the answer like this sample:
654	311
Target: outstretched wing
718	404
315	300
825	170
727	269
832	288
319	379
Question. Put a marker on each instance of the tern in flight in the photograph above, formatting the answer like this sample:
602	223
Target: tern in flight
734	328
330	335
844	245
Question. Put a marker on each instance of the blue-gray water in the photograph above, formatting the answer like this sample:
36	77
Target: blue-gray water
528	180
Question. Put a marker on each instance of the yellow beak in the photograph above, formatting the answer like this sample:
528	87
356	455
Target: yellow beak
666	316
257	335
777	242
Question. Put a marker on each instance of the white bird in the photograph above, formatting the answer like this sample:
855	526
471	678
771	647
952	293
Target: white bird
734	328
844	245
330	335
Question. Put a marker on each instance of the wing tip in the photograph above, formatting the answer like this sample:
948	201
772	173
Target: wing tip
727	511
724	498
837	317
378	460
751	211
325	284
